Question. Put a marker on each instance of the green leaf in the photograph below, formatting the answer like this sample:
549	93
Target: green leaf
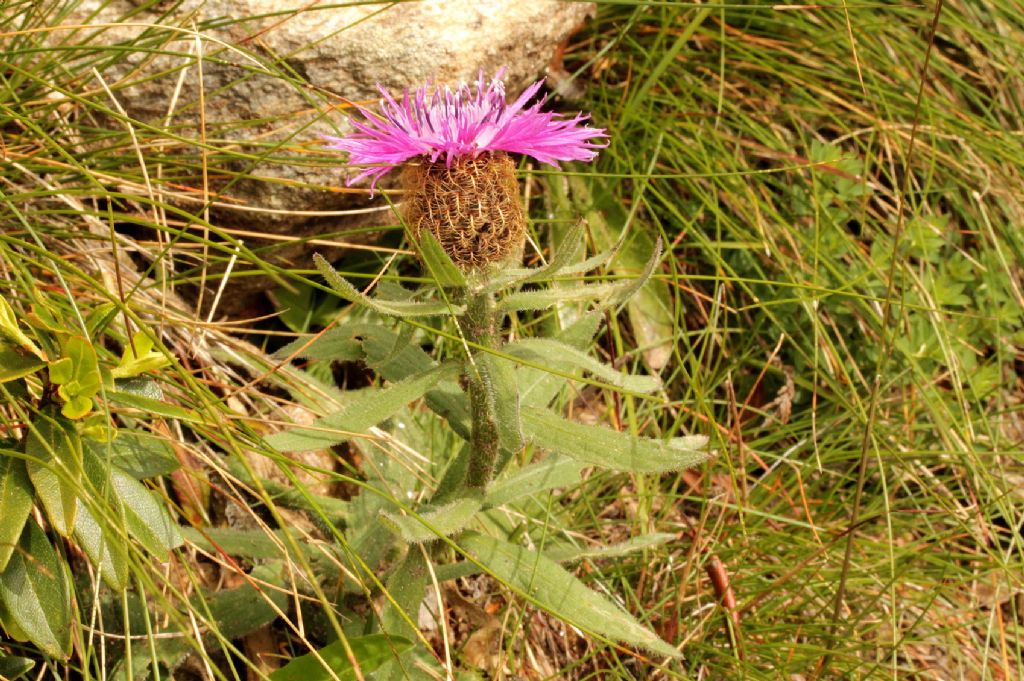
440	266
15	504
341	343
146	518
556	354
10	328
650	311
55	465
406	586
554	471
565	554
13	667
426	525
388	307
62	370
370	652
253	544
606	448
137	453
139	357
366	409
15	365
78	388
34	591
502	377
247	607
105	551
549	586
152	407
609	294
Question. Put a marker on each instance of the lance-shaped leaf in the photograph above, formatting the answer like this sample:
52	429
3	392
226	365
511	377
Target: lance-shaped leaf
609	294
146	519
552	353
440	266
54	465
549	586
606	448
554	471
35	594
443	521
366	409
15	504
332	662
105	551
395	308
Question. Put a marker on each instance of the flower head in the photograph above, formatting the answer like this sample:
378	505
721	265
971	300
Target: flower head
437	122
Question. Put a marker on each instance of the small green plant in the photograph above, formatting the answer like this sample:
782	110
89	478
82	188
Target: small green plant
68	459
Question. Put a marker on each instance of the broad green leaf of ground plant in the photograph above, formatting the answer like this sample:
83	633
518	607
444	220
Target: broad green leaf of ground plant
15	504
54	449
548	585
139	454
15	365
77	373
249	606
106	552
366	409
35	593
146	518
610	449
139	358
370	652
13	667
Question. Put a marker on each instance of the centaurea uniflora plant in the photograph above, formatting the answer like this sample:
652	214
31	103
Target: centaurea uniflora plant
460	186
461	204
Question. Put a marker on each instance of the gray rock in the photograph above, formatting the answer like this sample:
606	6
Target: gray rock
335	55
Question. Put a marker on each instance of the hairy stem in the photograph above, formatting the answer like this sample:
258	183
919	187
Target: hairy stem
480	326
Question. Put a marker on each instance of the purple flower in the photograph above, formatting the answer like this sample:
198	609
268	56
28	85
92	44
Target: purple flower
436	122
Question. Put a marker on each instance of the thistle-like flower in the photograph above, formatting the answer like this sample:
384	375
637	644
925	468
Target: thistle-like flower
459	180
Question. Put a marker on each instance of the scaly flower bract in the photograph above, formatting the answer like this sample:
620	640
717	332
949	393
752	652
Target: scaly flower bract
463	122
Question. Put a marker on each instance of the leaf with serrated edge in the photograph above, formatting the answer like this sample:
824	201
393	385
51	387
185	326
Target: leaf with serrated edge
606	448
366	409
554	471
439	522
548	585
35	593
389	307
556	354
370	653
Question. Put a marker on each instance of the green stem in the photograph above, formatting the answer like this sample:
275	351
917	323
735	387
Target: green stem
480	326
